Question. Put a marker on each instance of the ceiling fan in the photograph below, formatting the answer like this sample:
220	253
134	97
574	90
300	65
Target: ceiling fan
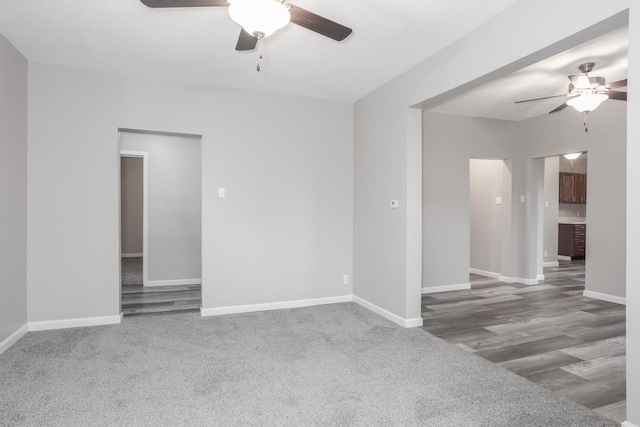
261	18
586	93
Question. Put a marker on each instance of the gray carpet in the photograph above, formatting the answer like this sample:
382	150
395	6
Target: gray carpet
131	271
333	365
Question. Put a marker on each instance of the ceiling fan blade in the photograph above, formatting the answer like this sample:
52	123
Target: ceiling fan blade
614	94
562	107
246	41
538	99
619	83
319	24
184	3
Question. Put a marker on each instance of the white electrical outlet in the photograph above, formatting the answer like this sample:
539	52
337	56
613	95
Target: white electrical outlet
498	200
522	199
221	192
546	253
546	204
393	204
345	279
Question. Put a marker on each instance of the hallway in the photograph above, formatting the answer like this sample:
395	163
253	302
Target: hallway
140	300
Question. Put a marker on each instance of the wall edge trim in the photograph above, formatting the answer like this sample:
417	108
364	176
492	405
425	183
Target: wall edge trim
445	288
250	308
518	280
75	323
138	255
405	323
174	282
484	273
604	297
13	338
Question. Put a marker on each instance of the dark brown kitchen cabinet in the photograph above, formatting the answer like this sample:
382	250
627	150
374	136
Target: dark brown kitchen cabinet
573	188
572	239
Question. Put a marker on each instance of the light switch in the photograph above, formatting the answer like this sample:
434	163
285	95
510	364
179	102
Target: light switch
221	192
522	198
546	203
498	200
393	204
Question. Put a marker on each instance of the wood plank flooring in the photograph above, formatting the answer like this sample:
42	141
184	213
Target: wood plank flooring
548	333
140	300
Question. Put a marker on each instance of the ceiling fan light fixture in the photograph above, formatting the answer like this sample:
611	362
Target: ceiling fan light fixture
260	18
587	102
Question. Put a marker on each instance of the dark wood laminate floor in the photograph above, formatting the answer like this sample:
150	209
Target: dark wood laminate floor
140	300
548	333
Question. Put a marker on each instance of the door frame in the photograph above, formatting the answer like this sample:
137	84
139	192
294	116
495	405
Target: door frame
144	155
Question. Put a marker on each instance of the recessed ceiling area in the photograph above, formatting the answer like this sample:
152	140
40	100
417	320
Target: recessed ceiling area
495	100
196	45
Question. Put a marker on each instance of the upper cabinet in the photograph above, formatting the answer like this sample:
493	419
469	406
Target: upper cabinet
573	188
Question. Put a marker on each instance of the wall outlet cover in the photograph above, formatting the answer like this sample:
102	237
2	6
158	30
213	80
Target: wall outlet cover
345	279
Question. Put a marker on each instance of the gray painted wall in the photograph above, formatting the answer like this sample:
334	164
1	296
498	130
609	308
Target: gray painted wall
486	216
606	143
633	225
551	208
448	144
450	140
174	202
382	127
131	205
13	189
284	231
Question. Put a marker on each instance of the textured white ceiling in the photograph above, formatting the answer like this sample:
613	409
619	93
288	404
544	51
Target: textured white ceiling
495	100
197	44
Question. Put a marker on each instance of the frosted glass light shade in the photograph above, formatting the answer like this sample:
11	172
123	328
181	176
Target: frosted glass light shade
260	18
572	156
587	102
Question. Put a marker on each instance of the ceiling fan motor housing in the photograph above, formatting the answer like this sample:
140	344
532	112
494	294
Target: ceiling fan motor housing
596	84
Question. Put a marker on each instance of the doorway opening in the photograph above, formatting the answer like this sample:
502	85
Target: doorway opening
160	223
564	222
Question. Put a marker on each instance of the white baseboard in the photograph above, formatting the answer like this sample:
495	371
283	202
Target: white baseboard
518	280
445	288
484	273
407	323
235	309
629	424
174	282
605	297
13	338
551	264
131	255
564	257
74	323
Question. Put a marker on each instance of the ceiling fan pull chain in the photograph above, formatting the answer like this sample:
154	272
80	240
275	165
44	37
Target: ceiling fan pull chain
584	115
259	53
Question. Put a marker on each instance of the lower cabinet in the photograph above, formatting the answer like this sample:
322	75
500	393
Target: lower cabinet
572	239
